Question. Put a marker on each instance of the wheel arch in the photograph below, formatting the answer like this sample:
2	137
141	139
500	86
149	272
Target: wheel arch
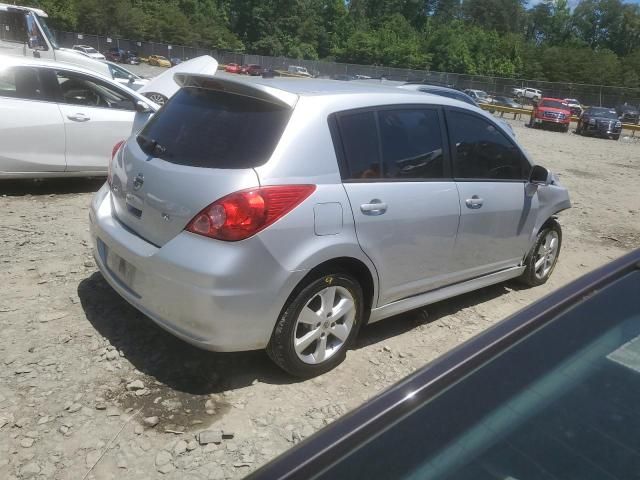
363	273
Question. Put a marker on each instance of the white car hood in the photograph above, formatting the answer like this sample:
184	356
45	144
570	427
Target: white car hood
166	85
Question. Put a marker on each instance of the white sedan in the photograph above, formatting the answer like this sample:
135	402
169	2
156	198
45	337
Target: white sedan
88	51
57	119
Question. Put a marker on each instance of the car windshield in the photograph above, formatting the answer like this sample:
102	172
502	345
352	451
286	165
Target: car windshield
560	404
480	93
572	100
553	104
47	32
603	112
90	50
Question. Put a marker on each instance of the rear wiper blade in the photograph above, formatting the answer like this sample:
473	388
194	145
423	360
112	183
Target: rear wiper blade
150	146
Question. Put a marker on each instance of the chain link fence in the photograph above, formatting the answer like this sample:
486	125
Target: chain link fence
599	95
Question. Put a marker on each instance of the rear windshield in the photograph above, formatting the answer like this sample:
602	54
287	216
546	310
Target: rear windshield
204	128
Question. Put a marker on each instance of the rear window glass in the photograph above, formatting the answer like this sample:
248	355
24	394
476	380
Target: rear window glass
204	128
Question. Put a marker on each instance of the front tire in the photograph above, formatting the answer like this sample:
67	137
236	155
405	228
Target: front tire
543	256
318	325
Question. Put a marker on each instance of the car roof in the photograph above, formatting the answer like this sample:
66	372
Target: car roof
10	60
37	11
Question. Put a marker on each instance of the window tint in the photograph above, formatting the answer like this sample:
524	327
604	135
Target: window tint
21	82
482	151
204	128
411	144
360	142
76	89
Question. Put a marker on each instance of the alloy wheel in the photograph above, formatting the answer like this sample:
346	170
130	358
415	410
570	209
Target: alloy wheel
546	255
324	324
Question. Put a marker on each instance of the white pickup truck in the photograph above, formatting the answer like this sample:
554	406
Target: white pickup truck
530	93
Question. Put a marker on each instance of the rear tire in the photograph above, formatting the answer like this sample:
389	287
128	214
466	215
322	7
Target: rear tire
318	325
616	137
543	256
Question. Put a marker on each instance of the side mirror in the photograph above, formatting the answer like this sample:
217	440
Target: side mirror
36	54
142	107
131	79
540	176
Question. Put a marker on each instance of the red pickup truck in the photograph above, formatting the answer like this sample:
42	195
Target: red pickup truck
551	112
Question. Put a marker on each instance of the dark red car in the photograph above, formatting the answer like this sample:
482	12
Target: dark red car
551	112
253	70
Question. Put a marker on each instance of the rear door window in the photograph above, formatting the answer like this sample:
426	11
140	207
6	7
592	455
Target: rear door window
481	151
358	132
205	128
411	141
21	82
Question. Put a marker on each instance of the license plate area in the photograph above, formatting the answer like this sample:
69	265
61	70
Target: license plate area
124	271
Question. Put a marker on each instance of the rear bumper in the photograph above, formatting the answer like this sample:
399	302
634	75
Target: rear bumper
216	295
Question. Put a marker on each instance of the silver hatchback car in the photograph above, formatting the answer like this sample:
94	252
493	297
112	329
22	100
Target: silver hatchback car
285	214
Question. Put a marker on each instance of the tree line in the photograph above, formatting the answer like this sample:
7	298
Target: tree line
598	41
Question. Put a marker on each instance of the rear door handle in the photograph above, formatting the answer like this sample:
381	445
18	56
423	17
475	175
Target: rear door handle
375	207
79	117
474	202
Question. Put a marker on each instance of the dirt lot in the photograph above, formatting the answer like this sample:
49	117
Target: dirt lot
83	372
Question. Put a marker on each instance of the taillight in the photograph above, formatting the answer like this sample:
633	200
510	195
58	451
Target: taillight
114	152
243	214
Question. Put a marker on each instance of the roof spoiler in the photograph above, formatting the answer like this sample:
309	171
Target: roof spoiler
244	88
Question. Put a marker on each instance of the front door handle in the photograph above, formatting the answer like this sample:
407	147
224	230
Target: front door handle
78	117
474	202
375	207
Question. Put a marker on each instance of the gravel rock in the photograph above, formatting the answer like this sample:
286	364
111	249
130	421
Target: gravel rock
180	447
135	385
192	445
111	355
163	458
138	430
26	442
92	457
74	407
30	470
210	436
168	468
151	421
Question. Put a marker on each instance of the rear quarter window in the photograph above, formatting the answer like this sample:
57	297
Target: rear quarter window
209	129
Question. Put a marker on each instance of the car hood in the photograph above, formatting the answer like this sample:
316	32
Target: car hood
166	85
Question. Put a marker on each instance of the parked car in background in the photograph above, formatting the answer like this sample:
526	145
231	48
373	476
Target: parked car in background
528	93
480	96
175	61
628	114
506	102
343	77
575	106
551	112
600	121
163	87
126	77
89	51
548	393
254	70
120	55
217	174
300	71
269	72
159	61
232	68
57	119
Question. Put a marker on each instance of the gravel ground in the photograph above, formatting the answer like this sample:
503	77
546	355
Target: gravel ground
90	388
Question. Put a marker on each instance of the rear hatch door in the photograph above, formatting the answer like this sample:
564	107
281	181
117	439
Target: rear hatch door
203	145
